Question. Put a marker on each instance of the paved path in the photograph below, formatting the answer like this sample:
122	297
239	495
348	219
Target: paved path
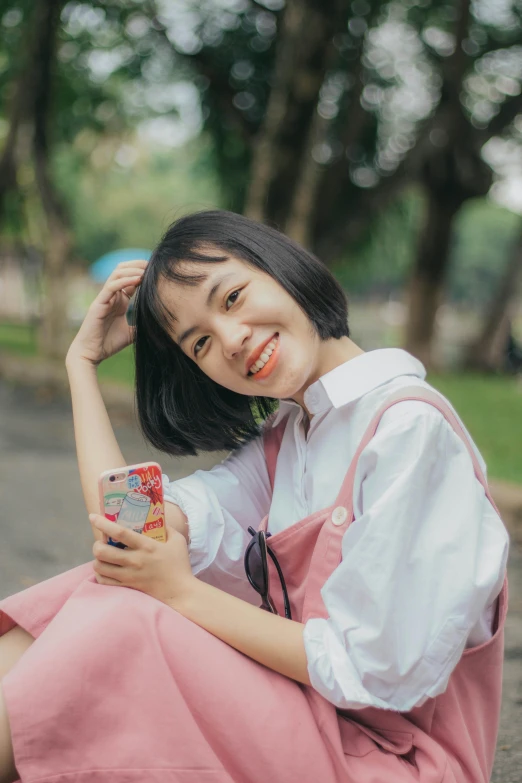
44	527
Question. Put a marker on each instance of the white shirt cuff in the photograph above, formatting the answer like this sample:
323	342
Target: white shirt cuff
175	492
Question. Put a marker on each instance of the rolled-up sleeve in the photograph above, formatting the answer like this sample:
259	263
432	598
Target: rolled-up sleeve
424	557
220	504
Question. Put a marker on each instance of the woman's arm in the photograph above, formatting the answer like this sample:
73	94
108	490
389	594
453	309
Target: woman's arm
96	446
163	571
269	639
103	333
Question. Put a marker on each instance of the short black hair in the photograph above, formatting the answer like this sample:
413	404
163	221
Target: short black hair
180	409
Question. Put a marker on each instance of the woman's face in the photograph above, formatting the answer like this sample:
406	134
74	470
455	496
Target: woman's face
239	319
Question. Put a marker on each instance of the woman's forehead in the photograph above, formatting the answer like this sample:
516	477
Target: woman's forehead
191	279
181	300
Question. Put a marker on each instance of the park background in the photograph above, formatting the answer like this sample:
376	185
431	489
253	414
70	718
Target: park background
384	135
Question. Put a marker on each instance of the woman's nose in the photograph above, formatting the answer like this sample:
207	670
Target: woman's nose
234	337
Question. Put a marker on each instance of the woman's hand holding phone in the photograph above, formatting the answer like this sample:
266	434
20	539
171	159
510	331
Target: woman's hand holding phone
105	330
162	570
138	550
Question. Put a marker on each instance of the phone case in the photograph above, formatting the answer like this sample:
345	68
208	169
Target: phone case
133	497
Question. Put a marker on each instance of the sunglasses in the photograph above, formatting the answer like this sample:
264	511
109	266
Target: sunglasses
256	567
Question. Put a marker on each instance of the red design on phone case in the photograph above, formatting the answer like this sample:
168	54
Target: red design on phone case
136	501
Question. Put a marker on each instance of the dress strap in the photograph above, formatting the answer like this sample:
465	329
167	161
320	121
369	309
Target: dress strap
419	393
272	437
328	550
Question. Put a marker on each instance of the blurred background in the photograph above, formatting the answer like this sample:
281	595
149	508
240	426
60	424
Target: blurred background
384	135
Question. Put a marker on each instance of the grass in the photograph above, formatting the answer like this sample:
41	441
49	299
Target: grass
491	409
489	406
20	339
119	368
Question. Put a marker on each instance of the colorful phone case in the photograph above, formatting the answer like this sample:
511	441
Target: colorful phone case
133	497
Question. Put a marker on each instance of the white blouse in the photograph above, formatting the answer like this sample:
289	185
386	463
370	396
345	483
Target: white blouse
423	561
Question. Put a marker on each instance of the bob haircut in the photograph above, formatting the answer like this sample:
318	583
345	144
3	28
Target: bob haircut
180	409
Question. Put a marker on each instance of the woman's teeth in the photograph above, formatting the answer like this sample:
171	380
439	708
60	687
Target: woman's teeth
265	356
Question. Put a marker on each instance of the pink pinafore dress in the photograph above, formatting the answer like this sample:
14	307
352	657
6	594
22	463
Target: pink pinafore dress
119	687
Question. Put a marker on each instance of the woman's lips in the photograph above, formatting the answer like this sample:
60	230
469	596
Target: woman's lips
254	356
265	371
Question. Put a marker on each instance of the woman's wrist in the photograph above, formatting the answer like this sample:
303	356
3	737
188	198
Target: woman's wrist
74	363
186	596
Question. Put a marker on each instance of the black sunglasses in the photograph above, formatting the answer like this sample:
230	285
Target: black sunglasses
256	567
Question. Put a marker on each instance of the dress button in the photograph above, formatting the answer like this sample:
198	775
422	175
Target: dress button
339	515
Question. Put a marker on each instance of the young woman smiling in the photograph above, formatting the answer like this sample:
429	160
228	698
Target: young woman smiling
353	508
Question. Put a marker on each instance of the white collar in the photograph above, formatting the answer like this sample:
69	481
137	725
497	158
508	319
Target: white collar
355	378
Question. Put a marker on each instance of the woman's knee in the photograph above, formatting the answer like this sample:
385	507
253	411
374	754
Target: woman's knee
13	644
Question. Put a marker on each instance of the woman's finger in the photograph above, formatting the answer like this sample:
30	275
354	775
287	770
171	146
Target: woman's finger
126	269
136	261
110	554
107	570
103	580
121	534
129	271
112	287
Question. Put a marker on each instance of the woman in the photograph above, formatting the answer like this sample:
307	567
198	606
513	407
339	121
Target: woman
380	657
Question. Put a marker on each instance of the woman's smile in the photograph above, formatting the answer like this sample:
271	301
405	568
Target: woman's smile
268	356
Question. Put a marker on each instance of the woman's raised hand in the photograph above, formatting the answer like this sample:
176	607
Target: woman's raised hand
105	330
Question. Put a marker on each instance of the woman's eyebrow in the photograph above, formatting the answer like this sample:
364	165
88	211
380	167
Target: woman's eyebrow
208	302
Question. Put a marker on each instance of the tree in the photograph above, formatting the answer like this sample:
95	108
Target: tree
448	163
28	140
39	93
487	351
315	130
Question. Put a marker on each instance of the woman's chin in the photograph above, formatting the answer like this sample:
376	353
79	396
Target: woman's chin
284	390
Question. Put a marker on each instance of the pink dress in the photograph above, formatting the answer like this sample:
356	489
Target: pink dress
119	687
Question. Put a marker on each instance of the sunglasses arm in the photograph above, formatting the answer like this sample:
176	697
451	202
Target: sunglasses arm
288	614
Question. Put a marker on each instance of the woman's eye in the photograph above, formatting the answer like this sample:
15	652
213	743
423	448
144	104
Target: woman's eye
199	343
235	294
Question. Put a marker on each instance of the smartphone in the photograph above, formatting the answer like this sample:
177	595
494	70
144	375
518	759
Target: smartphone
133	497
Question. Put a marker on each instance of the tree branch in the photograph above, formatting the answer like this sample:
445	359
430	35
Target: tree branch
511	107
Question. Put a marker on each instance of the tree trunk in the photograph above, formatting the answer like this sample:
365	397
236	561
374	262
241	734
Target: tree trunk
54	332
301	62
452	172
300	220
299	223
264	157
426	285
28	136
487	352
15	147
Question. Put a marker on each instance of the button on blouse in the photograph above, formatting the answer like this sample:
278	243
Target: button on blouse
423	561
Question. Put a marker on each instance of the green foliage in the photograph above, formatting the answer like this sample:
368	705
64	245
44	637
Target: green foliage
380	263
484	234
117	206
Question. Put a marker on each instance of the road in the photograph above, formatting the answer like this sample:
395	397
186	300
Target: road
44	527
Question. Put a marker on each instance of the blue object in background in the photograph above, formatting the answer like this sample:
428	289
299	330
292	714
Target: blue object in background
102	268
